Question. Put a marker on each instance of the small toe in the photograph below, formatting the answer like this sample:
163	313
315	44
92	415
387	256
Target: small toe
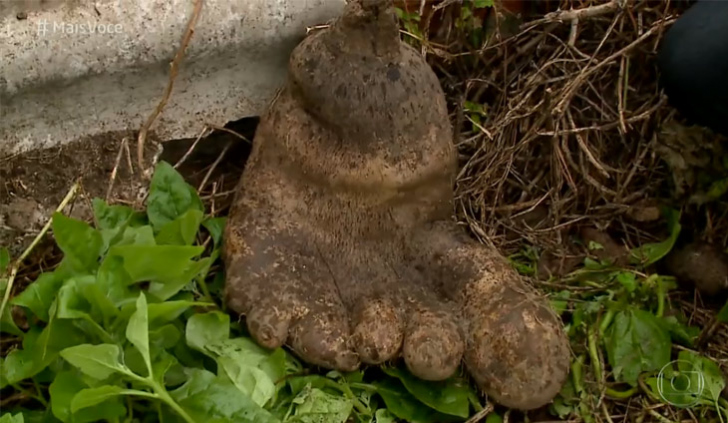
379	332
269	325
322	338
433	347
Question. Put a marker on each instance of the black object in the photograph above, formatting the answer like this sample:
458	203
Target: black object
693	63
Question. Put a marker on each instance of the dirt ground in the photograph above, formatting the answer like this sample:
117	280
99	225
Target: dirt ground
33	184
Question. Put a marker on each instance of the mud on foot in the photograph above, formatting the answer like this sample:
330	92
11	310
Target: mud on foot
340	241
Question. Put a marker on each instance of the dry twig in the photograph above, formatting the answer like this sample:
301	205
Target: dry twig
204	132
124	144
583	13
214	165
229	131
173	70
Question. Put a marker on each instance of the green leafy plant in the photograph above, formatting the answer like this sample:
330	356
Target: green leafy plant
648	254
129	326
694	380
617	322
470	24
411	23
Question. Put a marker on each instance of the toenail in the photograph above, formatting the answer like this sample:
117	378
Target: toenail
265	334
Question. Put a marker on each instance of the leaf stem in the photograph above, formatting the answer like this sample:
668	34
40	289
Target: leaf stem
344	387
576	374
21	392
165	397
40	396
160	415
594	354
16	265
660	298
606	321
159	393
364	387
613	393
646	389
104	335
138	393
130	410
205	290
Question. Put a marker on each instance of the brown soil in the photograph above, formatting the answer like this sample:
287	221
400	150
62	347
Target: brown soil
34	183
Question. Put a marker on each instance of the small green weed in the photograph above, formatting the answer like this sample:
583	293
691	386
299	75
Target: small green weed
466	22
476	113
471	25
411	23
128	327
617	323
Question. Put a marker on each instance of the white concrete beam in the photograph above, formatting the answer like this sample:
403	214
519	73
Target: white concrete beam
77	68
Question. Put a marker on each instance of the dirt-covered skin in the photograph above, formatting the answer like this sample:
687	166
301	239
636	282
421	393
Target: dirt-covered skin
341	244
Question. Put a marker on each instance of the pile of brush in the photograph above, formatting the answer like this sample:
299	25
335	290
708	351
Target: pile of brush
561	124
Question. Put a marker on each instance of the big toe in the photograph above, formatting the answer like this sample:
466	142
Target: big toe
517	353
517	350
433	347
379	332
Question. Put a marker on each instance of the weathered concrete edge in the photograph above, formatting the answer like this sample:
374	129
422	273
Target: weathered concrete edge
58	84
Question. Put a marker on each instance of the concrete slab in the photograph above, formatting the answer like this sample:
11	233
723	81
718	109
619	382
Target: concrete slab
72	69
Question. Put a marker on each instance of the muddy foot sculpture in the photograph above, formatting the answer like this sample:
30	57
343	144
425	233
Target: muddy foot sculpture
341	244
